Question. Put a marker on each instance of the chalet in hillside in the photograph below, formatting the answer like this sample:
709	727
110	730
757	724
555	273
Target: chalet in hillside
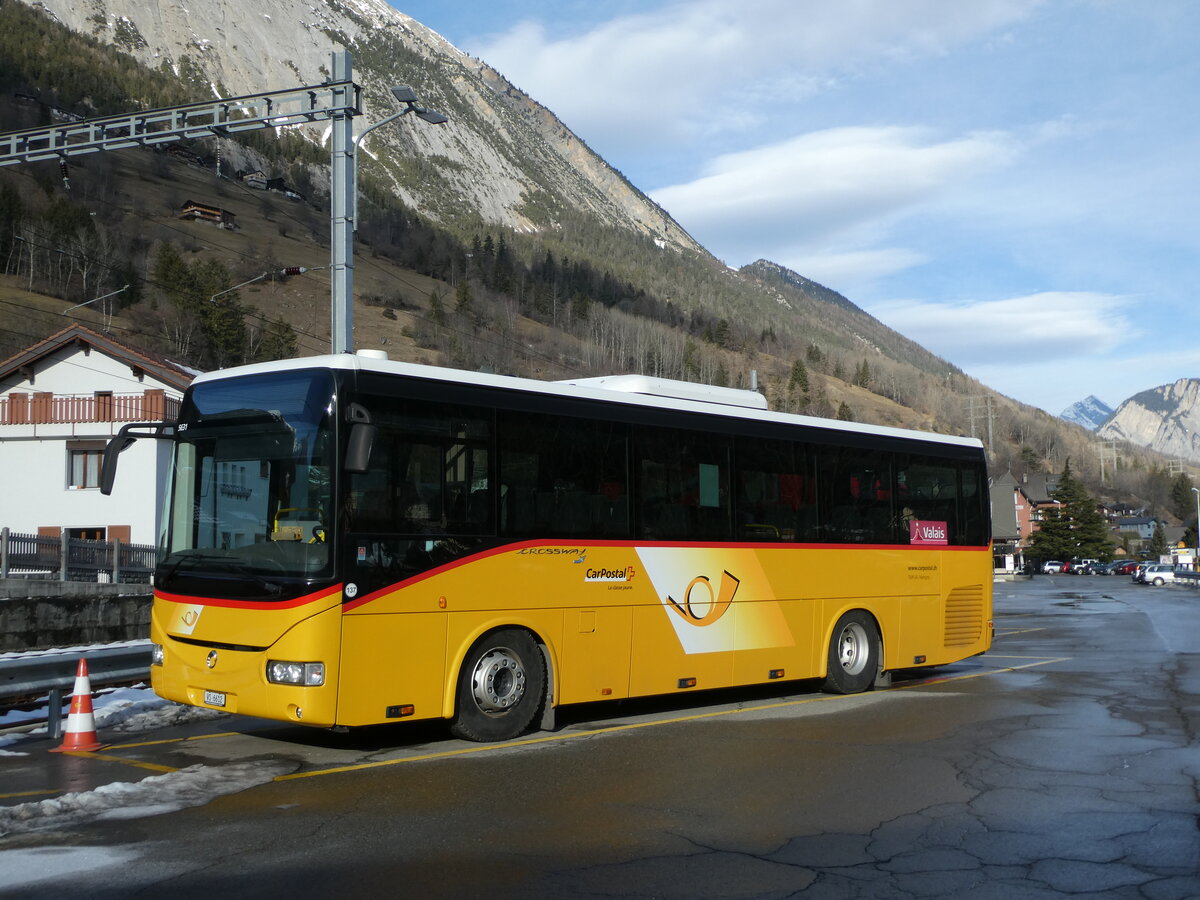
61	400
256	179
203	212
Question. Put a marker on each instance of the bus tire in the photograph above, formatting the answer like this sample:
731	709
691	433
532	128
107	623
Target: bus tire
500	687
853	662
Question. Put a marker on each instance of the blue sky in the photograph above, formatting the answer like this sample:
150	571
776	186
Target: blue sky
1012	183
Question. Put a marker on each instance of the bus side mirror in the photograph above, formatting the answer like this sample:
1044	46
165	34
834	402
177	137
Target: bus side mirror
108	465
358	451
362	438
124	438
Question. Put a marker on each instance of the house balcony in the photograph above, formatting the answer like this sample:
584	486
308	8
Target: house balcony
47	408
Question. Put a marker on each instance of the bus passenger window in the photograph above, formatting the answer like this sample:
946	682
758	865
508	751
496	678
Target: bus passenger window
928	492
859	488
562	477
683	485
776	491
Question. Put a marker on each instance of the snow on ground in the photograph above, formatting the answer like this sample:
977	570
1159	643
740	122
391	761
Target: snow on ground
119	713
121	710
21	868
193	786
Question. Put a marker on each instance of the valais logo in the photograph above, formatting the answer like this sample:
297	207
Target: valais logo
927	532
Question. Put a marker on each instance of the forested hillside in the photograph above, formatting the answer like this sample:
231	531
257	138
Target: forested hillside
587	296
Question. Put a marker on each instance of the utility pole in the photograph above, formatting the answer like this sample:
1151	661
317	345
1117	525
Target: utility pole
336	101
1106	450
341	189
980	409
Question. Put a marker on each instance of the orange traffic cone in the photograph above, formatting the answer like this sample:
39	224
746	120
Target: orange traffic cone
80	733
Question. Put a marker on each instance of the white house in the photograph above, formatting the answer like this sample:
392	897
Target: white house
60	402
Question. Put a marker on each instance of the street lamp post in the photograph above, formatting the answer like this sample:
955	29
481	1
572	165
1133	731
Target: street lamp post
408	97
344	205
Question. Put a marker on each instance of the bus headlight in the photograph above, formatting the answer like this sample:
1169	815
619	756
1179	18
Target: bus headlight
156	654
308	674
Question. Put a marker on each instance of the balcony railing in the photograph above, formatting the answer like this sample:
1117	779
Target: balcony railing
46	408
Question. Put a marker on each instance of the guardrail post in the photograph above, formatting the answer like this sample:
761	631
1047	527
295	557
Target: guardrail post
64	552
116	566
54	716
4	552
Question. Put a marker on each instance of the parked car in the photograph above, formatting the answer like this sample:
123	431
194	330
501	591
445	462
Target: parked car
1122	567
1082	566
1157	574
1052	567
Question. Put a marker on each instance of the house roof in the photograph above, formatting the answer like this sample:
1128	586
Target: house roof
1038	488
1004	510
1136	520
171	373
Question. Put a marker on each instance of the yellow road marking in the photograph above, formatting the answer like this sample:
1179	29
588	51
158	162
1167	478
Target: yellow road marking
1041	661
629	726
196	737
153	767
28	794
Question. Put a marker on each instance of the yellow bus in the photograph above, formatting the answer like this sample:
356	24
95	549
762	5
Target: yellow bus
349	541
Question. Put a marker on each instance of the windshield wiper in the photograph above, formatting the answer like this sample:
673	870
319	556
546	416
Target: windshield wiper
231	564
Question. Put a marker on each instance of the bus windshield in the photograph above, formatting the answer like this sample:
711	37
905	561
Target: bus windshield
249	509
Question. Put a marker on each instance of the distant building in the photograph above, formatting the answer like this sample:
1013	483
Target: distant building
61	400
203	212
256	179
1142	526
1006	530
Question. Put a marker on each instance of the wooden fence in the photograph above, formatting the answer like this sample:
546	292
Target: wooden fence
65	558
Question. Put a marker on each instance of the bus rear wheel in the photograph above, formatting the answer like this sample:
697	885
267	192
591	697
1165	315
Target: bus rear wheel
500	687
853	654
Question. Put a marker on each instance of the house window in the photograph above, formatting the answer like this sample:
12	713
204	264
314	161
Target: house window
83	464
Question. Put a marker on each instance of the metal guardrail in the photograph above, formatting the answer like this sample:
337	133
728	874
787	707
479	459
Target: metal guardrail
53	673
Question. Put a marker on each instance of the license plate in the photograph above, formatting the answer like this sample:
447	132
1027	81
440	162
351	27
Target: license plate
214	698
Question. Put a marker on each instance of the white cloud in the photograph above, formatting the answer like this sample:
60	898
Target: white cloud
1058	326
700	67
851	271
804	196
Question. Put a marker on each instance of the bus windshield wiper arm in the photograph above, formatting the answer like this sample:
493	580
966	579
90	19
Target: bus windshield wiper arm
232	564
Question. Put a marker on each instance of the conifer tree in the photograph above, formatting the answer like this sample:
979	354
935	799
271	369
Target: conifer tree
799	377
1076	529
862	375
1183	501
463	297
437	310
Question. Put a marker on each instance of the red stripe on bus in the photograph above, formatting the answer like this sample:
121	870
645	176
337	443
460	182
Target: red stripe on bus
314	597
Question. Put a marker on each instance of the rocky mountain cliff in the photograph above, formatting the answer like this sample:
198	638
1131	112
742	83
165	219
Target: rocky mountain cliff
1089	413
503	158
541	260
1166	419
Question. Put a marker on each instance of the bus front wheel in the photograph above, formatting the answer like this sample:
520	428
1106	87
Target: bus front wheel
853	654
500	687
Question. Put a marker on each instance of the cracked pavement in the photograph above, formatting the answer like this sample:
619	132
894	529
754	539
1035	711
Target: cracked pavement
1063	763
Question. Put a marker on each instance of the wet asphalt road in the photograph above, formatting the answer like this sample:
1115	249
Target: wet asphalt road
1063	763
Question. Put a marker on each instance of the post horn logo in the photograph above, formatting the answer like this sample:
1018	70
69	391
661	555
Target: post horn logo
707	606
